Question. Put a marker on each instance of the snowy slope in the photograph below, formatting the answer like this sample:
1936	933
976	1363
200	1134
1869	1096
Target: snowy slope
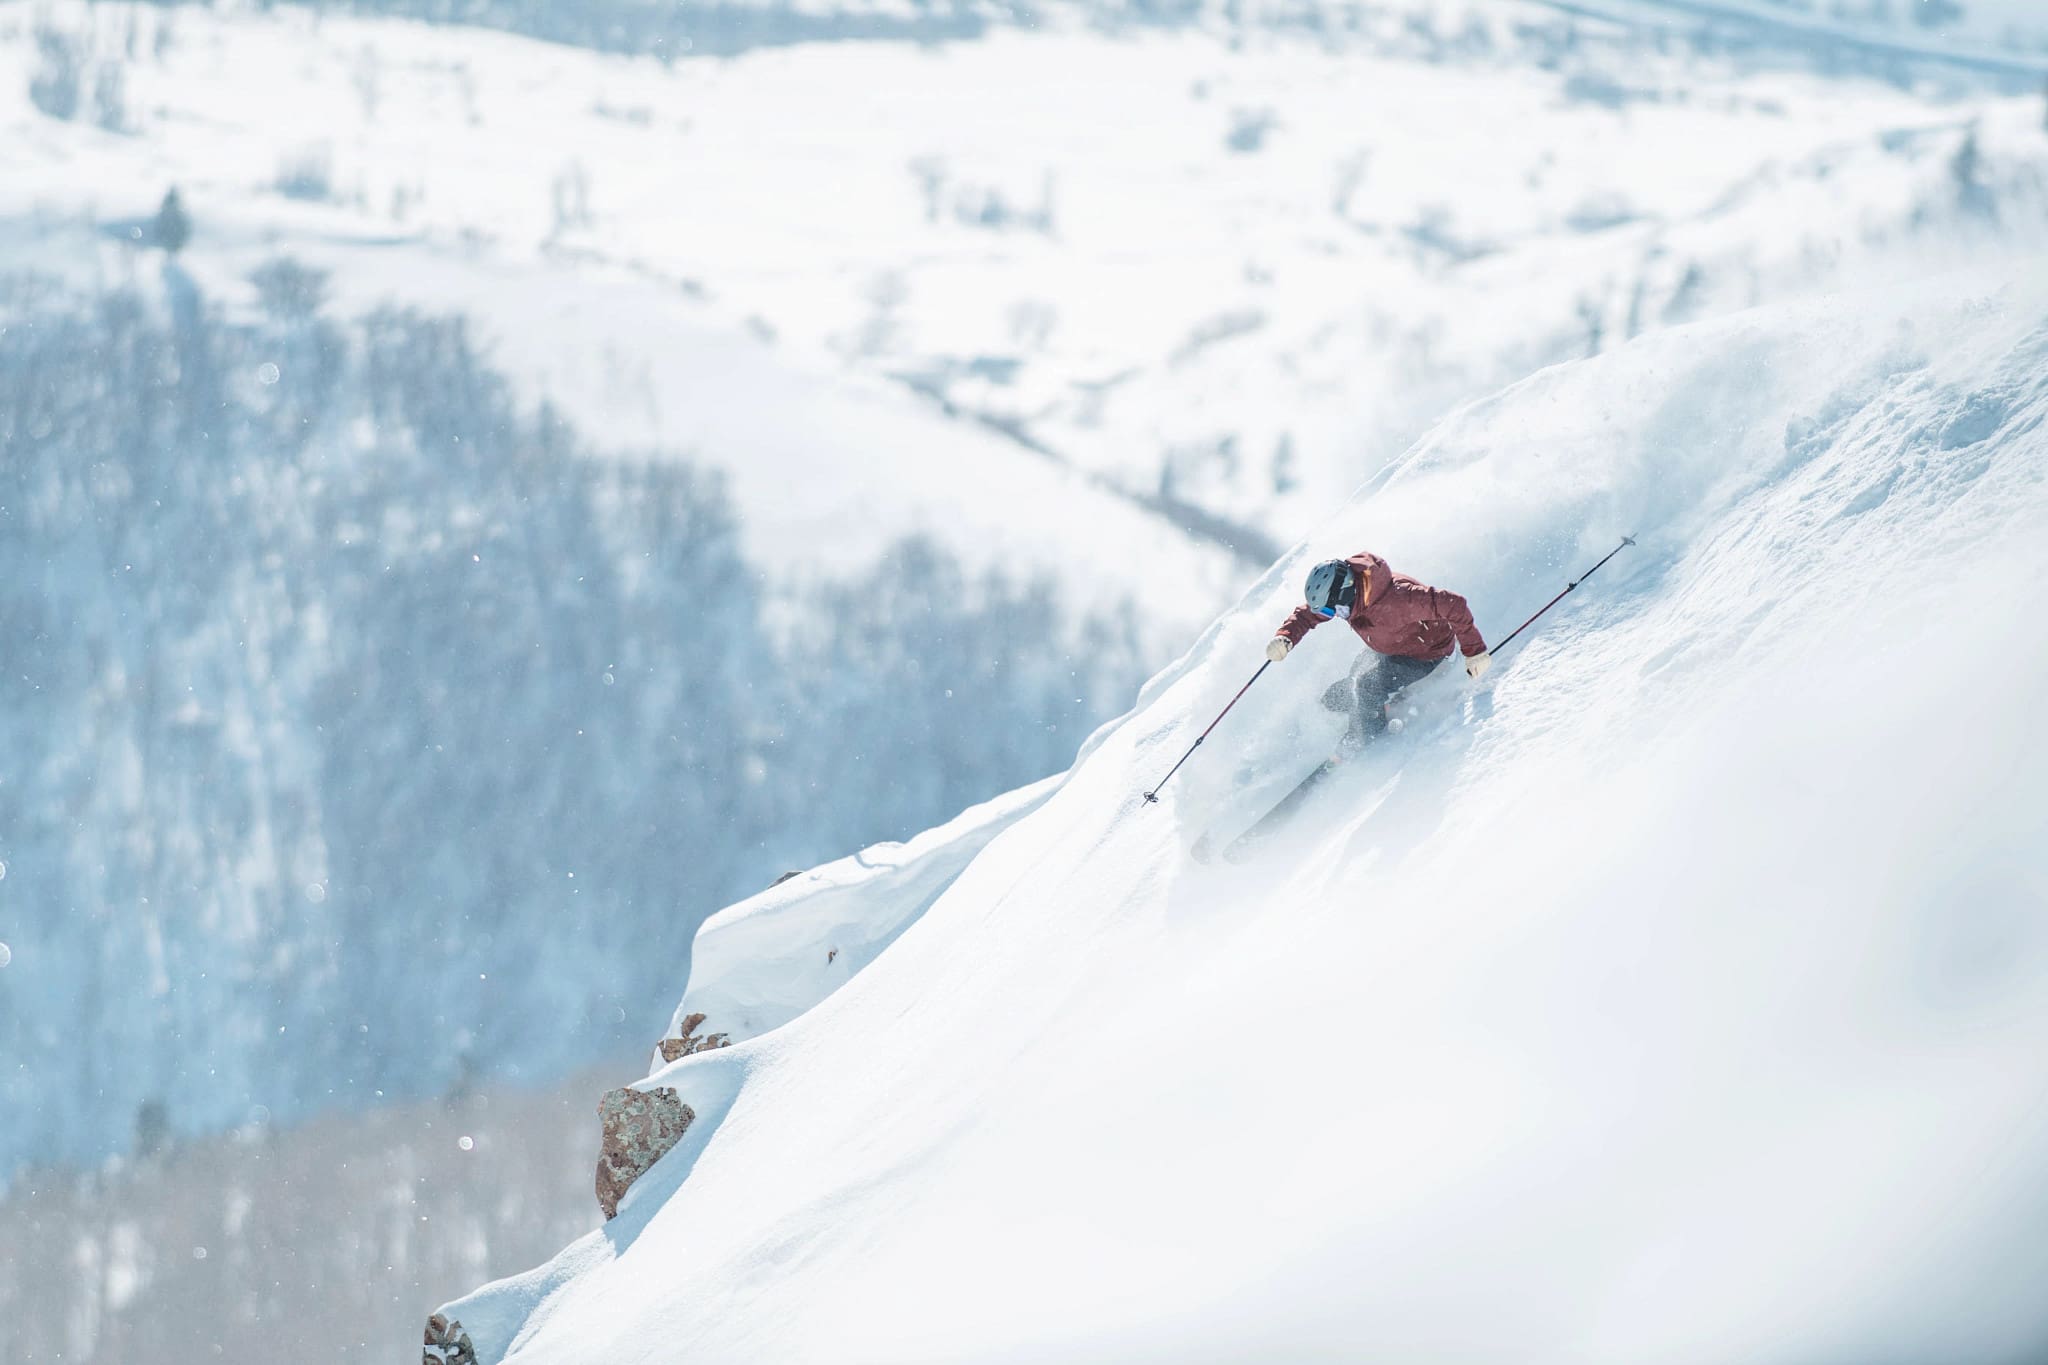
417	149
1221	269
1683	1000
765	961
2005	37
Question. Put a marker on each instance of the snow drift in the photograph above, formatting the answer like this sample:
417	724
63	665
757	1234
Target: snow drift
1682	998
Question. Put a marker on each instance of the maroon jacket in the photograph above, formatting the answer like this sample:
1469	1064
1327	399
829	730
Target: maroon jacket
1395	614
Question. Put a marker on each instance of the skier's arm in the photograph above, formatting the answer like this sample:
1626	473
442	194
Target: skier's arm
1299	622
1453	612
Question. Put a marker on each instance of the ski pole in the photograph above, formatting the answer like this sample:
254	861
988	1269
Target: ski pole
1153	795
1626	541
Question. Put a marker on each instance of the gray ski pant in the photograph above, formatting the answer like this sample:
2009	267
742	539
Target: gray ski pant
1374	682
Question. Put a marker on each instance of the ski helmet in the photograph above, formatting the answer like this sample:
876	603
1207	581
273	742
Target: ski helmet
1332	588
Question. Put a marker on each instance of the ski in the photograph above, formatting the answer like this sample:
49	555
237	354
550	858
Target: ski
1236	849
1265	826
1207	849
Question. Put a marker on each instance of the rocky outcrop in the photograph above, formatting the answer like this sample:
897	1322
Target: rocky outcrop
640	1127
674	1048
447	1343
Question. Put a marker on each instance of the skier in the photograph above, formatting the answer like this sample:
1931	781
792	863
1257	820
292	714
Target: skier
1408	628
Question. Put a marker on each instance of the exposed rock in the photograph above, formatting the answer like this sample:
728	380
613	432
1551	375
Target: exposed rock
689	1043
447	1343
640	1127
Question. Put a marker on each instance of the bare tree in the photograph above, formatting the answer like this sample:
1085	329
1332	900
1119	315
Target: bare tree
57	87
570	194
173	226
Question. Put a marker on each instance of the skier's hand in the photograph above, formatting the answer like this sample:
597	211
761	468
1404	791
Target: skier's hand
1477	664
1277	647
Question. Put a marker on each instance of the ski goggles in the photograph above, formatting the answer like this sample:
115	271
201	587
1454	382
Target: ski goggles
1343	592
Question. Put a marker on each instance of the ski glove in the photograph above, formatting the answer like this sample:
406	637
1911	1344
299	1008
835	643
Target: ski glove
1277	647
1477	664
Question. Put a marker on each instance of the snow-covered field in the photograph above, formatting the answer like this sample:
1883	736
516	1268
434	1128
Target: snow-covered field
401	158
1222	274
1683	1000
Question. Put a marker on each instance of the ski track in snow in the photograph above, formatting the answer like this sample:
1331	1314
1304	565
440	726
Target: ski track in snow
1839	507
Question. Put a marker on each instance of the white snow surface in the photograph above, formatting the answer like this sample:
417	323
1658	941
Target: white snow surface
1684	998
442	157
1038	294
761	963
1965	35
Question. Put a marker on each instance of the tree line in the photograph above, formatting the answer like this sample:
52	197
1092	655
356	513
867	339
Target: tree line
366	733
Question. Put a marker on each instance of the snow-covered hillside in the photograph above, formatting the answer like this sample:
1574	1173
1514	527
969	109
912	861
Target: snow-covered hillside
2009	37
1680	998
1196	278
451	171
